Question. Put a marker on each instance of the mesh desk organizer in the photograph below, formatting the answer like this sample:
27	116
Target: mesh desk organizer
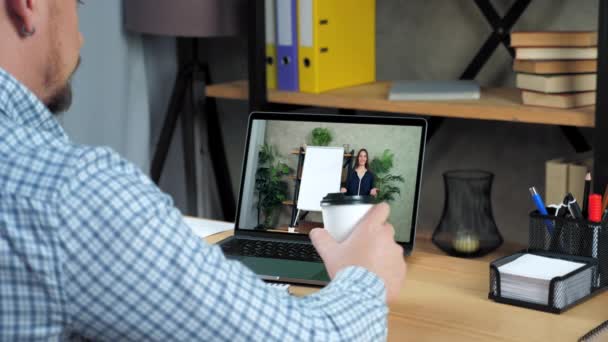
572	240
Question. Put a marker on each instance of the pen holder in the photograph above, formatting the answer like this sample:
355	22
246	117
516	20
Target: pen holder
566	236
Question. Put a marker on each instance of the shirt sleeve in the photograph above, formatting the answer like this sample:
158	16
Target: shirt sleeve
134	271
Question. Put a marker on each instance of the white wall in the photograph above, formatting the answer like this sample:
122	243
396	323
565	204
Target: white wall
110	95
121	93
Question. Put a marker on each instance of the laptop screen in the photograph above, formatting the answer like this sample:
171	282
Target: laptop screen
293	161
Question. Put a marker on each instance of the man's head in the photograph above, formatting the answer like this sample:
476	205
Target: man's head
40	46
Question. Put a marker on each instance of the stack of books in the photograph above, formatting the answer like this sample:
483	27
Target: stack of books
556	69
566	175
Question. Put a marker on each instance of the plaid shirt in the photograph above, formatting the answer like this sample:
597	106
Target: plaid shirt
90	248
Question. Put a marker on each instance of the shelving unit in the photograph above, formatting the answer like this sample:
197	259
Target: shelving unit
499	104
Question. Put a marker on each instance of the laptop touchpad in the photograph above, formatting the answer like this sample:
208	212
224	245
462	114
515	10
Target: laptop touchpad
286	269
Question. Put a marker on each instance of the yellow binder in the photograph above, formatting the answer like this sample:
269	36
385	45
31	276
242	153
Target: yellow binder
271	47
337	43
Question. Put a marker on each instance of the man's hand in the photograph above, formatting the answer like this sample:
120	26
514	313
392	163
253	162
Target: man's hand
371	246
373	192
343	190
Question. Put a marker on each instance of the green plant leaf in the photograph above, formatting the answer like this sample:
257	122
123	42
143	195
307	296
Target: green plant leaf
385	181
321	137
269	185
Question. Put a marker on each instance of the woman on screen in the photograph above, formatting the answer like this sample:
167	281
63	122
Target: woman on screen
360	181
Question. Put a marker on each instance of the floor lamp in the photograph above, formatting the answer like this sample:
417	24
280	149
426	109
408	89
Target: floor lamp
188	20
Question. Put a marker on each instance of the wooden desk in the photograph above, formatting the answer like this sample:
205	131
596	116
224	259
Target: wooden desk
446	299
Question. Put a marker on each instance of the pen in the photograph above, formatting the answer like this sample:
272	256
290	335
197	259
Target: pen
595	216
575	210
576	242
586	194
595	208
605	199
540	205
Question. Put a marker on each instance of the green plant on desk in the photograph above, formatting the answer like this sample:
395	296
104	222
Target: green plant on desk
385	182
269	184
321	137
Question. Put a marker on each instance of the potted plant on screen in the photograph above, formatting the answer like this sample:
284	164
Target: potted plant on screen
321	137
270	186
386	182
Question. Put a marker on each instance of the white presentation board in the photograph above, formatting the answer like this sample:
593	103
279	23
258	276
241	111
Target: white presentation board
321	175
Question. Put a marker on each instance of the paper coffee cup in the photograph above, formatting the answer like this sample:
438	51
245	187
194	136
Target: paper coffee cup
341	213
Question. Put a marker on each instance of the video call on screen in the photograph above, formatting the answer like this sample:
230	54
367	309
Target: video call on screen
292	165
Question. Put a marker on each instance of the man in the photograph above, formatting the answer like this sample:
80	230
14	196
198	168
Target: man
91	249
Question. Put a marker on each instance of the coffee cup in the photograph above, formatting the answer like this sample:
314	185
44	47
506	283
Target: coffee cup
341	213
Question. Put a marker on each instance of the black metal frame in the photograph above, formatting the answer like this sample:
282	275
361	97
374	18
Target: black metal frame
257	56
600	136
184	104
501	28
500	34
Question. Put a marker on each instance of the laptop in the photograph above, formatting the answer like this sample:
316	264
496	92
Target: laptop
282	185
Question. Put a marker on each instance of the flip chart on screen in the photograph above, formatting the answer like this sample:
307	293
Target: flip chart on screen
320	175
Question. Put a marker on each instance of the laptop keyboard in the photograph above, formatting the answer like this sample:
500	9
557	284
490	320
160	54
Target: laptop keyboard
271	249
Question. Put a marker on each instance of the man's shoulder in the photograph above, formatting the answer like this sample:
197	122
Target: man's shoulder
91	159
44	172
87	164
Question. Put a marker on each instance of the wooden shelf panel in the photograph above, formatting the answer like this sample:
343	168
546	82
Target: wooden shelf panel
289	203
503	104
296	152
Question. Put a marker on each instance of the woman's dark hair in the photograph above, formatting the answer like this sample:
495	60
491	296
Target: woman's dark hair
366	161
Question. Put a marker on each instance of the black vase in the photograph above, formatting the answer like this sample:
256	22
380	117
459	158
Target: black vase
467	227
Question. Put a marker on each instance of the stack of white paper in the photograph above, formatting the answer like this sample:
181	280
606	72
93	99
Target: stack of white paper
204	228
280	287
528	277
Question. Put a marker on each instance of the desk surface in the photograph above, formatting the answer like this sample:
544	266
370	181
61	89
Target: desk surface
446	298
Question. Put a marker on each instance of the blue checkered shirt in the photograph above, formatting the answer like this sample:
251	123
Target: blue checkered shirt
90	248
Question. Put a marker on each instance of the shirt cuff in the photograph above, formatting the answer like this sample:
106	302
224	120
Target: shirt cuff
363	280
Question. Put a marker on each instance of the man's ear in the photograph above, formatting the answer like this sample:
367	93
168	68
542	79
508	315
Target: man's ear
23	14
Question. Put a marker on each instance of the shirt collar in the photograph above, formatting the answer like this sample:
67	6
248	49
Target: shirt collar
21	106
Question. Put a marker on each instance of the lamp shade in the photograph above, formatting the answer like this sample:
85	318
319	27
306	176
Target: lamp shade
186	18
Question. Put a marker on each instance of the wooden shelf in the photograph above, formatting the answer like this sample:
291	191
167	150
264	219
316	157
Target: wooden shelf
503	104
289	203
297	151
